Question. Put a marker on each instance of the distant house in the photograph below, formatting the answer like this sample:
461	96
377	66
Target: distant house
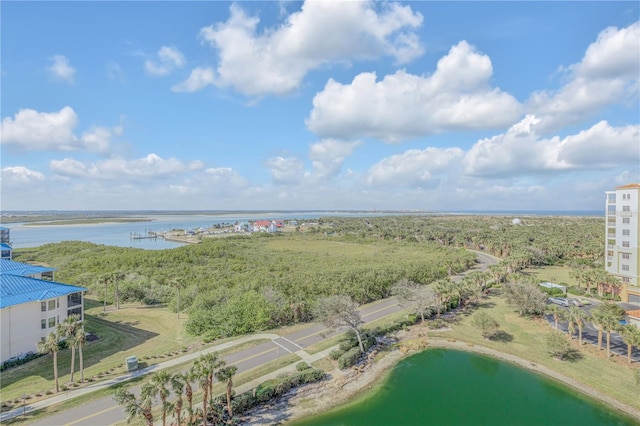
31	307
5	243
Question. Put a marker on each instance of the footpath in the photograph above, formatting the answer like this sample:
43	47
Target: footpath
75	393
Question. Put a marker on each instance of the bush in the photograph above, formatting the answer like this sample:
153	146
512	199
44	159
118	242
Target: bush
347	345
335	354
265	391
301	366
558	346
349	358
311	375
243	402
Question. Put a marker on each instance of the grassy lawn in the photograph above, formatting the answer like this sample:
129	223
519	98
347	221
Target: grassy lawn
525	338
553	274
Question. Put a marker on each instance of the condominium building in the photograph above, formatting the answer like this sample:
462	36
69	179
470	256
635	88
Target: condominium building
622	257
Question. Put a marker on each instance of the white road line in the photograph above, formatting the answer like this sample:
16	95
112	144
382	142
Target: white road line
282	346
292	342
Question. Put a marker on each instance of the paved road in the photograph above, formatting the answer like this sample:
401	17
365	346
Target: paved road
104	411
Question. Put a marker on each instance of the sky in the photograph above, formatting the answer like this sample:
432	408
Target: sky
318	105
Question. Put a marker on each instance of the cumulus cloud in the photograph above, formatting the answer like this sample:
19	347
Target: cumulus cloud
327	156
150	166
457	96
60	69
53	131
285	170
169	58
415	168
198	79
608	73
20	175
276	60
520	151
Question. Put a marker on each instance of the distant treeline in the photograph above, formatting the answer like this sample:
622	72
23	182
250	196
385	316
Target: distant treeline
241	284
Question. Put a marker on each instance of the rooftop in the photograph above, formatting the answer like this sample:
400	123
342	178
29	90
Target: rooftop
629	186
11	267
16	289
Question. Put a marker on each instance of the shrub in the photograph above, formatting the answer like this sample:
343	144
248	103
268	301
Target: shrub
336	354
349	358
346	345
311	375
301	366
243	402
558	345
265	391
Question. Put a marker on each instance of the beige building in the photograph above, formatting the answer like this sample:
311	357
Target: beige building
622	235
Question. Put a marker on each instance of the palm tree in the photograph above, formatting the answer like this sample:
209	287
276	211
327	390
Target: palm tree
159	381
212	362
50	346
225	374
68	329
177	283
577	316
177	385
556	312
631	336
608	316
137	407
81	339
188	377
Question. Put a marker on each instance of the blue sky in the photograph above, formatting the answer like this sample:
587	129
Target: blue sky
318	105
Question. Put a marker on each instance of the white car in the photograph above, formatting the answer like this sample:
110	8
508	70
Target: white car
562	301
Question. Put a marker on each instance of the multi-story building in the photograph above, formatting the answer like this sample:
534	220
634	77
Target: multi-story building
31	305
622	257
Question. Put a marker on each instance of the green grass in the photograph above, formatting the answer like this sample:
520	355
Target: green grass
613	376
553	274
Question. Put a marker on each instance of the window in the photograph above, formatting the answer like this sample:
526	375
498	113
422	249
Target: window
625	256
626	208
625	232
52	304
43	324
625	244
626	220
625	279
52	322
625	268
43	306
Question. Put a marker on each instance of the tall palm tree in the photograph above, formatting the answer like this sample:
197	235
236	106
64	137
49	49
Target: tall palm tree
577	317
81	339
177	385
188	377
607	317
177	284
160	381
50	346
211	363
67	330
225	374
137	407
631	336
556	312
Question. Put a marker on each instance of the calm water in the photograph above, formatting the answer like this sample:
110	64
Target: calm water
442	387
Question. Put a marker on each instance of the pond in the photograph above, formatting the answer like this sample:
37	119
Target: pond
446	387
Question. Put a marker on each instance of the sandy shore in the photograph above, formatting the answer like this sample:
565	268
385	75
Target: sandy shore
343	386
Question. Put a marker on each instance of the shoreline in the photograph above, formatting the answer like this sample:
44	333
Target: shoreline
345	387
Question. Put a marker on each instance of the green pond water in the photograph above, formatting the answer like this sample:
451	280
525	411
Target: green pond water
444	387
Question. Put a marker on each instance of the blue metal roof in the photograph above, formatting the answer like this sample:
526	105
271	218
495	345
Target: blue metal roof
18	268
16	289
4	246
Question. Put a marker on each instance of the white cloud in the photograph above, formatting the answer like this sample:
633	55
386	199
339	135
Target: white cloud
53	131
20	175
327	156
520	151
608	73
286	171
322	32
115	72
151	166
60	69
198	79
458	96
169	58
415	168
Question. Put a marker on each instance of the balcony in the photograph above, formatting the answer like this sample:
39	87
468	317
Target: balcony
610	246
626	214
609	257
